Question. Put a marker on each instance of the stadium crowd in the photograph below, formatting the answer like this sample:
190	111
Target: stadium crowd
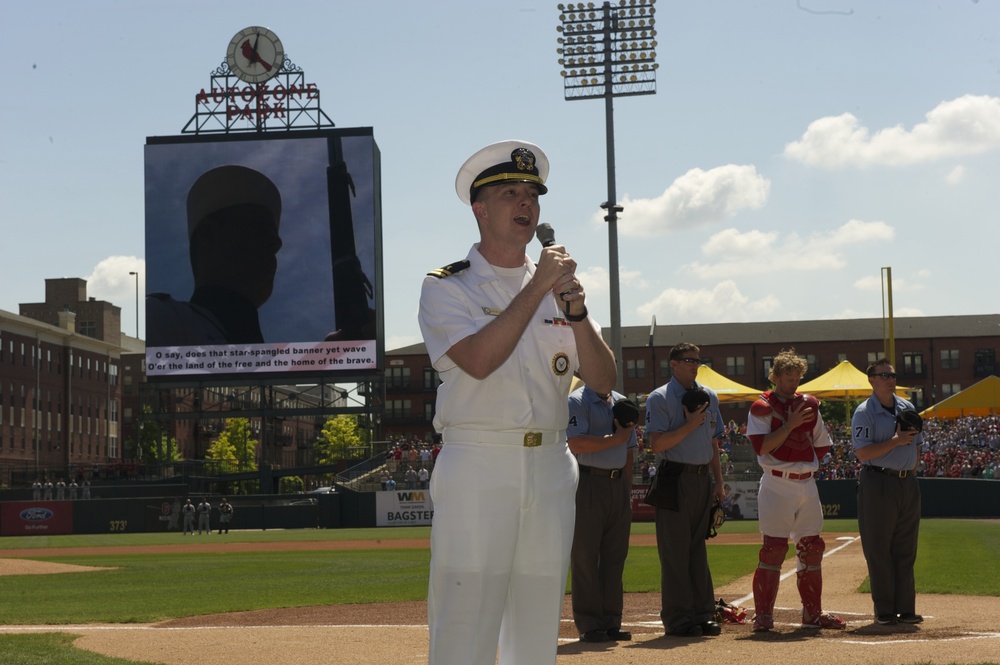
966	447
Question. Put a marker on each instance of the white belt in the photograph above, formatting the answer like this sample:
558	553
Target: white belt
511	438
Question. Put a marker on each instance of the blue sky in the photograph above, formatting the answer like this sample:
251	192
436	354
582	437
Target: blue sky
793	149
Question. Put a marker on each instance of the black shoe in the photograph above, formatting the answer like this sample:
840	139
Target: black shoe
619	635
595	636
910	617
689	630
886	619
710	628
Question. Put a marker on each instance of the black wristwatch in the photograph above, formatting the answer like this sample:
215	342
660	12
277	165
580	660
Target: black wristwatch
576	318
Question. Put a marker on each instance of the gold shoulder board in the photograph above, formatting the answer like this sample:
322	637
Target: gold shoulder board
450	269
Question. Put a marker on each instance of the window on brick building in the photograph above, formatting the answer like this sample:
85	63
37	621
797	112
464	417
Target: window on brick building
397	377
985	362
949	389
913	364
397	408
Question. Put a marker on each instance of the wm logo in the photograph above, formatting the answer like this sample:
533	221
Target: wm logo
410	496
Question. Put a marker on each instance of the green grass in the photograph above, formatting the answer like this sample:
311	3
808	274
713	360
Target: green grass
147	588
46	648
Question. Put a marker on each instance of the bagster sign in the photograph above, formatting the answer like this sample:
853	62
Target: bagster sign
403	508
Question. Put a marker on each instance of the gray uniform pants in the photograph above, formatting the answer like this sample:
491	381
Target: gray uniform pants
889	521
686	591
600	547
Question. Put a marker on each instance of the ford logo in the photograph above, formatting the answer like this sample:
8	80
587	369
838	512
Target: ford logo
36	514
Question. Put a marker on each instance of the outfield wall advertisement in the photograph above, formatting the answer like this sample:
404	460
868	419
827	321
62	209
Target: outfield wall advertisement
403	508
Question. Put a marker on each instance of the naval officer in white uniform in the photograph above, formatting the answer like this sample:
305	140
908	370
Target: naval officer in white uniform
506	336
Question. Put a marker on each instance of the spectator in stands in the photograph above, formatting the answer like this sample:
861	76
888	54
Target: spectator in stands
390	485
424	476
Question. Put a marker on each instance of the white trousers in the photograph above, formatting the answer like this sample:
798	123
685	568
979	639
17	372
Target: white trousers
500	545
789	508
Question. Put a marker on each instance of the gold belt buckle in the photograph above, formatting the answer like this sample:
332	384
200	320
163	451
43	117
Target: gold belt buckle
532	439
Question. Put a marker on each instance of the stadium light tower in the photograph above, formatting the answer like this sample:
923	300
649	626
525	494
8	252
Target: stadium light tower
609	52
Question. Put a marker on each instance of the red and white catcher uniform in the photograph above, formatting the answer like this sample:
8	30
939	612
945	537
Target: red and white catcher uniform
788	506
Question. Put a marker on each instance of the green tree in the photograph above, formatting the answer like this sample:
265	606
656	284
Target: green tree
153	445
235	447
341	439
290	485
840	411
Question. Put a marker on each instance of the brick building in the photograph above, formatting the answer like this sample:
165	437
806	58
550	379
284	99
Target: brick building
60	395
936	356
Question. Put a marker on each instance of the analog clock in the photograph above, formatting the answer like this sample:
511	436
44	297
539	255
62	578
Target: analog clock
255	54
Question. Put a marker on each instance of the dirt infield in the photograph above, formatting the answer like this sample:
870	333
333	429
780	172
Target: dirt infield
956	629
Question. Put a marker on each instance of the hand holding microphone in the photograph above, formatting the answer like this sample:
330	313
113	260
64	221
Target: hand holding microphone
566	286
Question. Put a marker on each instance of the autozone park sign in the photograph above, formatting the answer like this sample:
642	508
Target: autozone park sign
251	102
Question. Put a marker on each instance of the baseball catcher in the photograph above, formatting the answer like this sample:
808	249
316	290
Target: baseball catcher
788	435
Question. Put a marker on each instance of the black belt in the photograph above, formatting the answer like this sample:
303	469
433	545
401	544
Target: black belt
607	473
889	472
700	469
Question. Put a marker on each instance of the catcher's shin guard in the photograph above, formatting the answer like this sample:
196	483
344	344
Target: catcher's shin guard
810	576
767	575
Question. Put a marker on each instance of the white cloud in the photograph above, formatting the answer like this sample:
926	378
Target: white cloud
111	280
956	175
696	198
722	302
733	253
594	280
968	125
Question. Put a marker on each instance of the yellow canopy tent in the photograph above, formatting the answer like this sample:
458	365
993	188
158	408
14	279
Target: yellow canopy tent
843	382
979	399
727	389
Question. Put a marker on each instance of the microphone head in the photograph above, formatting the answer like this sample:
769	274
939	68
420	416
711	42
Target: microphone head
545	234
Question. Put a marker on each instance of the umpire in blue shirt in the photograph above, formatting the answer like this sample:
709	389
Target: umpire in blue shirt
604	449
886	444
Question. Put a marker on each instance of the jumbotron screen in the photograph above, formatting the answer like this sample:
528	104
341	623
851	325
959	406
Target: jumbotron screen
263	254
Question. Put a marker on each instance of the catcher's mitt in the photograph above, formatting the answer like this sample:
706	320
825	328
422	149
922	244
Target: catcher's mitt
909	419
626	412
716	518
693	399
727	613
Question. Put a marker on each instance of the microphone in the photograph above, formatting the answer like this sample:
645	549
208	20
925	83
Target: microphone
545	234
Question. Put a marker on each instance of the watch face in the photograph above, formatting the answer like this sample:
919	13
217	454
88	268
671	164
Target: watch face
255	55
